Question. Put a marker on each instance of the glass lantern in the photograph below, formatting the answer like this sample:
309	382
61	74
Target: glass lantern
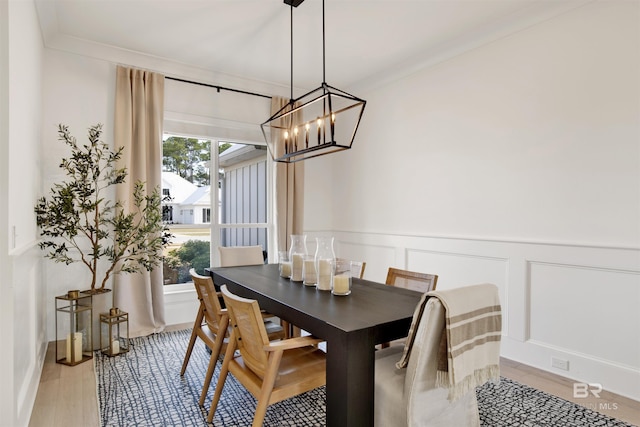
114	332
74	342
297	253
325	260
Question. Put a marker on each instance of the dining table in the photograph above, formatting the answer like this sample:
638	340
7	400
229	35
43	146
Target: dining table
351	325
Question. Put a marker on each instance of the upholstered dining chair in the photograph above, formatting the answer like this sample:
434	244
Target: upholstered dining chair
421	282
233	256
270	371
408	391
211	327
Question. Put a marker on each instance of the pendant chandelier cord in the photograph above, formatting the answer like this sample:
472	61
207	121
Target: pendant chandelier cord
324	59
292	52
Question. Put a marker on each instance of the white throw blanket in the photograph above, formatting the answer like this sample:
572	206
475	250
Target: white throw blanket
470	345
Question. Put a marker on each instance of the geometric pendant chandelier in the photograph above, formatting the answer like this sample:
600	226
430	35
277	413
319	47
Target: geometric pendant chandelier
319	122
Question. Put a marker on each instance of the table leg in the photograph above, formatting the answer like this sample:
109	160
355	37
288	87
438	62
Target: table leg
350	380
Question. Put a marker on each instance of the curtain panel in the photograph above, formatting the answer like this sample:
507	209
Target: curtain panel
139	111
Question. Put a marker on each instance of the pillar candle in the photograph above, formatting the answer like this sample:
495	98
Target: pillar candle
296	268
310	271
115	347
324	274
341	284
285	269
76	348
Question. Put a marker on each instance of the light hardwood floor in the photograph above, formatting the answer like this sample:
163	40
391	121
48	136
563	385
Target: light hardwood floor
67	395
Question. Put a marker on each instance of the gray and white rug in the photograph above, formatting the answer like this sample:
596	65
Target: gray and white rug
143	388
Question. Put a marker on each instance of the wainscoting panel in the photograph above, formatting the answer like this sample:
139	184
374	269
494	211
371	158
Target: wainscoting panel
598	309
376	256
569	301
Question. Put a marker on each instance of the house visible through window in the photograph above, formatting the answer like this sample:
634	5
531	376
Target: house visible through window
240	193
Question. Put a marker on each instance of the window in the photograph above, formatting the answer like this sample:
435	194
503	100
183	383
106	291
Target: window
240	217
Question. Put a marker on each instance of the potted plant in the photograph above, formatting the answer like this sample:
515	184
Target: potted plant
79	224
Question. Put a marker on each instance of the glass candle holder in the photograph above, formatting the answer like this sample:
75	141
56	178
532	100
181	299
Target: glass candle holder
325	262
341	284
309	271
284	264
296	255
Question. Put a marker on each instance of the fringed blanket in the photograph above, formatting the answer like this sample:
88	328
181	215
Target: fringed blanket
470	345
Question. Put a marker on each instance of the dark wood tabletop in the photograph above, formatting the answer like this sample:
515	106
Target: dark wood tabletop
351	325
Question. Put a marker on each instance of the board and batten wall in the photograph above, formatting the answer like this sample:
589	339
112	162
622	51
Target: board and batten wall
515	163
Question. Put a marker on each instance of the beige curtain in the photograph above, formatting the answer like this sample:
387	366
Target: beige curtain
289	192
138	127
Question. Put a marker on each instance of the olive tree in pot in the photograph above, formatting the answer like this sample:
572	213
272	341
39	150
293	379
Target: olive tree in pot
79	223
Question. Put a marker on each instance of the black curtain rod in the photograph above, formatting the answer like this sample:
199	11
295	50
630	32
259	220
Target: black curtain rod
219	88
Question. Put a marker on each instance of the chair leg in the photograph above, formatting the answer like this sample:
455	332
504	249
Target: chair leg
228	356
207	379
194	333
267	388
213	359
286	327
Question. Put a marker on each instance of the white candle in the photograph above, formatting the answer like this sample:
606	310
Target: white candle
309	272
115	347
296	268
285	269
341	284
77	348
324	274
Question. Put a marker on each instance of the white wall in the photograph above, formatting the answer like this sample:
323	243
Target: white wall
79	91
22	327
516	163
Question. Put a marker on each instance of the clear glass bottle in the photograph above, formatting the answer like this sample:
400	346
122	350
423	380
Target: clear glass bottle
297	251
325	262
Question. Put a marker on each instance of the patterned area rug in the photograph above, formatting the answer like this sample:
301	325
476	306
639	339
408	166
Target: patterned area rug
143	388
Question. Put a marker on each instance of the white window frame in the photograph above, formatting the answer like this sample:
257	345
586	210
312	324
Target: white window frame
216	227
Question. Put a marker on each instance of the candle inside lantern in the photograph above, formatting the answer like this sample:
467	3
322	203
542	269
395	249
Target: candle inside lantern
286	142
342	284
306	135
333	123
295	138
75	347
319	130
115	347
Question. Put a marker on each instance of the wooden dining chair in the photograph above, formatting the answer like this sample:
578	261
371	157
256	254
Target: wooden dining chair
270	371
211	327
343	264
421	282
